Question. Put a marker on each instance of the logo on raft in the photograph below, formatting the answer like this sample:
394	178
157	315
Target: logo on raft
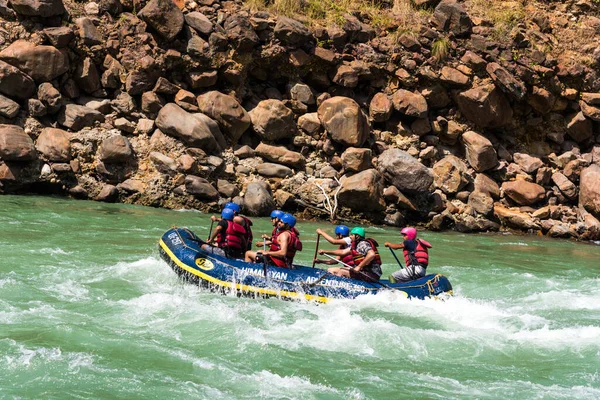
204	264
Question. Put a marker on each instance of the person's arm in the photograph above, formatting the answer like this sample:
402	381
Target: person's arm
330	239
327	262
394	246
215	219
366	261
341	253
214	234
283	240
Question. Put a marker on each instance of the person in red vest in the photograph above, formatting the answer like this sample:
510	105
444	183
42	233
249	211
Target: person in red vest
367	262
284	245
342	239
243	221
229	237
416	256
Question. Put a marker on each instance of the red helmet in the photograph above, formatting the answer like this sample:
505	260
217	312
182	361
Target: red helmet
411	233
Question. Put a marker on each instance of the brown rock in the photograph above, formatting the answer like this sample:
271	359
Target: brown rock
15	83
88	32
591	112
527	163
8	108
55	144
481	202
163	163
186	100
42	63
541	100
310	123
524	193
258	200
273	170
228	113
593	99
362	191
38	8
86	76
453	77
410	104
486	106
115	150
344	120
450	174
272	120
485	184
59	36
579	127
452	17
280	155
50	96
506	81
356	159
567	187
480	153
200	188
175	121
76	117
164	17
199	22
15	144
589	190
404	171
380	108
515	218
108	194
291	31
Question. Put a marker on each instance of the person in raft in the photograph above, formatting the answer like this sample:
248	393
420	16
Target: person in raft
230	237
284	245
367	262
416	256
240	219
342	239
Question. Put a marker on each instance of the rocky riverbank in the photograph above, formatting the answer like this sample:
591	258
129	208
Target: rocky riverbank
452	124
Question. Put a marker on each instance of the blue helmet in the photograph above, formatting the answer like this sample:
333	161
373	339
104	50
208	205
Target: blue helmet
227	214
233	206
342	230
288	219
276	214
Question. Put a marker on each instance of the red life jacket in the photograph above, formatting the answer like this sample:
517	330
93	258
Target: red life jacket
420	255
293	246
358	257
249	237
347	259
233	238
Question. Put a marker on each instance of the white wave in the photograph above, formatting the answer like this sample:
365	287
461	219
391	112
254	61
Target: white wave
68	290
513	244
572	337
272	385
19	356
564	300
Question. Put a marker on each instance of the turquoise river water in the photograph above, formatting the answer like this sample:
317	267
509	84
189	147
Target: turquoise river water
88	310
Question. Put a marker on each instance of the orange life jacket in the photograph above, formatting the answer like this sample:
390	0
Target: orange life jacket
358	257
420	256
294	245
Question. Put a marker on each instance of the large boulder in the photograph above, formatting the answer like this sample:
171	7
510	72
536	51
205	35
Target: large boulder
76	117
240	32
115	149
579	127
410	104
486	106
175	121
524	193
589	189
452	17
164	17
258	200
15	144
404	171
480	152
8	107
15	83
528	163
54	144
344	120
362	191
38	8
280	155
200	188
291	31
450	174
563	183
228	113
514	218
199	22
380	108
272	120
356	159
42	63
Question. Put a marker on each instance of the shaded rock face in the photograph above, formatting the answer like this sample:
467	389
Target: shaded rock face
589	190
356	159
38	8
272	120
258	200
15	144
362	191
486	106
452	17
54	144
42	63
163	16
410	104
343	118
524	193
200	188
291	31
241	33
175	121
404	171
480	153
228	113
280	155
450	174
15	83
76	117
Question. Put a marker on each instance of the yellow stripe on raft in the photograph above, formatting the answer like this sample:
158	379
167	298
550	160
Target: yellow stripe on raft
238	286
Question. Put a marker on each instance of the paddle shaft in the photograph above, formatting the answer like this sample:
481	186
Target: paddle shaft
397	260
316	250
360	272
264	257
210	230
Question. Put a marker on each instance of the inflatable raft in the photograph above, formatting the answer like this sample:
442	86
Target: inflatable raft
180	248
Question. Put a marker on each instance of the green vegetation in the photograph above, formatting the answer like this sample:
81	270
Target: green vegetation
440	49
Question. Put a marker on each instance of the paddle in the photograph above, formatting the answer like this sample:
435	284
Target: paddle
316	250
360	272
264	257
210	230
394	254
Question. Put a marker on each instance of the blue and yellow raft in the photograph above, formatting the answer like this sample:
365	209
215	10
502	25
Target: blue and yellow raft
180	248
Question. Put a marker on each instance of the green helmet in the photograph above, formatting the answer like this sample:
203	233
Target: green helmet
357	230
